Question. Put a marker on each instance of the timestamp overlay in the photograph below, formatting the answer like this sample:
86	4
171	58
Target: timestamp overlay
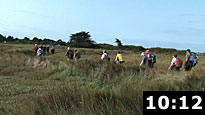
173	102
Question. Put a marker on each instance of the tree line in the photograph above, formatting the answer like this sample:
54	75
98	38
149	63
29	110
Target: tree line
81	40
26	40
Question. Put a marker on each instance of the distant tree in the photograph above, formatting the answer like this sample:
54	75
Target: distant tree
36	40
81	40
106	46
2	38
16	41
60	42
119	43
10	39
26	40
48	41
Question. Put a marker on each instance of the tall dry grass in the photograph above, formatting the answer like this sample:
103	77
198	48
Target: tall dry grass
53	85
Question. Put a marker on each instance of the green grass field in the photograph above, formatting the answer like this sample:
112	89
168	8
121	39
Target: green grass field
52	85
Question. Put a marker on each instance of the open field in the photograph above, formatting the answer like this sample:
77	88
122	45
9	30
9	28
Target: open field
52	85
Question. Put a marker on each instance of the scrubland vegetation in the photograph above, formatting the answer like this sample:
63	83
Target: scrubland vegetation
52	85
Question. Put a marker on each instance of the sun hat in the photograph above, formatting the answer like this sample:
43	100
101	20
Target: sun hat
147	52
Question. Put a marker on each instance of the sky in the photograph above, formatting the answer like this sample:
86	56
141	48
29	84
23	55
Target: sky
176	24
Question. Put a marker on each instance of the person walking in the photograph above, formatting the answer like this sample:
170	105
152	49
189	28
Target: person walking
52	50
76	54
144	59
69	53
44	50
105	56
176	63
35	48
119	58
39	52
47	50
150	59
188	62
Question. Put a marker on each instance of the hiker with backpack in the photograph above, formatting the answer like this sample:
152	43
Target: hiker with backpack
69	53
191	60
52	50
47	49
176	63
188	62
76	54
151	59
41	47
35	48
39	52
44	50
105	56
144	59
119	58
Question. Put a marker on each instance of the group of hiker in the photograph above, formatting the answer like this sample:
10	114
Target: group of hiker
177	63
148	58
43	50
72	54
118	59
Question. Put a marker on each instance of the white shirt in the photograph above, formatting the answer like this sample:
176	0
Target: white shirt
39	52
174	61
104	56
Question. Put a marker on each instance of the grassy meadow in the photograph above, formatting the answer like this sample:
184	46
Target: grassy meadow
51	84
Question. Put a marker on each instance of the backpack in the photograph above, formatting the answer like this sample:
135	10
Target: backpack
194	58
70	54
179	63
154	58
